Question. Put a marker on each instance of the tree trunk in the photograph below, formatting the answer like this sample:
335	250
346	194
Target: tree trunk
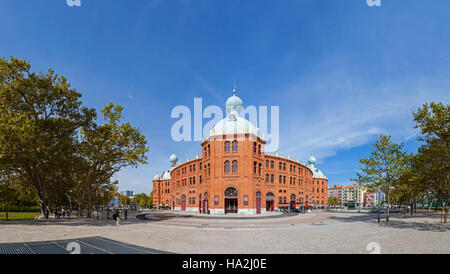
388	205
446	214
89	209
6	211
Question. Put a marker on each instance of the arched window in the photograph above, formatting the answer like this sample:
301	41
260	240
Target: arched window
293	197
234	166
231	192
258	194
280	200
227	146
271	164
280	178
271	178
227	167
284	179
284	199
267	163
255	166
259	149
254	147
193	180
267	178
260	168
235	146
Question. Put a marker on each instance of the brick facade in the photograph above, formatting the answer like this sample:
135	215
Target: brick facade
262	181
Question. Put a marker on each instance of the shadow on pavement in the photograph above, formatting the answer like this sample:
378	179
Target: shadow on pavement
398	220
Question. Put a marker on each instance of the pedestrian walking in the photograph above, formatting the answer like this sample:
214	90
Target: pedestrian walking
118	218
126	213
69	212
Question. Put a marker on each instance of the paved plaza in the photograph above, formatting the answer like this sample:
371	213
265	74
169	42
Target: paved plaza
182	232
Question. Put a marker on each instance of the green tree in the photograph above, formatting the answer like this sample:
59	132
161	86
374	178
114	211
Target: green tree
125	200
433	120
333	201
108	148
382	168
150	199
8	191
40	118
141	199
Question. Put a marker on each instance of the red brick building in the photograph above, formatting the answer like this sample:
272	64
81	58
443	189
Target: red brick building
235	175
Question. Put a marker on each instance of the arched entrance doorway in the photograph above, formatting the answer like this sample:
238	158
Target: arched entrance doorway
306	203
258	202
205	204
270	201
231	200
292	205
183	202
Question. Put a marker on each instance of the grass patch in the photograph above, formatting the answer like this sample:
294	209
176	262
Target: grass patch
19	215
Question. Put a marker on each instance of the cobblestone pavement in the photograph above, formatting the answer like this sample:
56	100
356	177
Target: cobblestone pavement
322	232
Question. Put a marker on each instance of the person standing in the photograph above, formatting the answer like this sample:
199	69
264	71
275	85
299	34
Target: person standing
126	214
68	213
118	218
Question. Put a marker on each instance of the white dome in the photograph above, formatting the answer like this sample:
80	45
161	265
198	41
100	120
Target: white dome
173	158
317	173
234	103
166	175
312	160
234	124
156	177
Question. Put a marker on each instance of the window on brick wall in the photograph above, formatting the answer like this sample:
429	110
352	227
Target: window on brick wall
227	167
227	146
235	146
234	166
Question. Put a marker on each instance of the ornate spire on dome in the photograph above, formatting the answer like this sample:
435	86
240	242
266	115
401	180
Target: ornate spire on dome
173	159
312	160
234	103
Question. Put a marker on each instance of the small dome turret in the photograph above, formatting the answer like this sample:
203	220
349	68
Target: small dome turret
173	158
312	160
156	177
234	103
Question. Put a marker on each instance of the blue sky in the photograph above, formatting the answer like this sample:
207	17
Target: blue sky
342	72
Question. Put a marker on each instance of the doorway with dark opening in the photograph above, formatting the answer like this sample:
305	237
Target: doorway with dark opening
231	200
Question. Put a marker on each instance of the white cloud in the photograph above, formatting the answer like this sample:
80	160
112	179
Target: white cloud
326	115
